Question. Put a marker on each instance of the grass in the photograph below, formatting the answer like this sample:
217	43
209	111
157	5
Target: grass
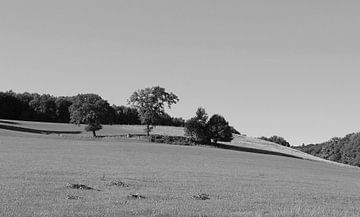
36	169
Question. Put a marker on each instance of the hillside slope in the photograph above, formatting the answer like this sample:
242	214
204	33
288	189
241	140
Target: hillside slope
239	143
254	143
36	170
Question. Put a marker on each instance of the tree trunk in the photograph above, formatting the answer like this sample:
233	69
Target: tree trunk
94	134
147	130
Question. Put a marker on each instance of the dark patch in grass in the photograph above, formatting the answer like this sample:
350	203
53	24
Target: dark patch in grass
253	150
201	197
30	130
80	187
118	184
122	202
7	122
72	197
136	196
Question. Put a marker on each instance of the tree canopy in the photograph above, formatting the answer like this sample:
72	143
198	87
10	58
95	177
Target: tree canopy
89	109
202	130
219	129
150	103
196	127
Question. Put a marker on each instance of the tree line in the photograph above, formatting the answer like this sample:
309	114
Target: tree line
147	107
340	149
48	108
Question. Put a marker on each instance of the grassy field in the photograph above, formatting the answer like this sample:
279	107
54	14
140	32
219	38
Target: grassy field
36	168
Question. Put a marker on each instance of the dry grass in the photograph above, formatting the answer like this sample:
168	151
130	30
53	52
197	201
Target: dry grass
35	170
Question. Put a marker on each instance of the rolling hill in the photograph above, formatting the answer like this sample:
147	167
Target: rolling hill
39	161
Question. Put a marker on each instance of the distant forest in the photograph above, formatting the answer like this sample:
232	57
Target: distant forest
48	108
343	150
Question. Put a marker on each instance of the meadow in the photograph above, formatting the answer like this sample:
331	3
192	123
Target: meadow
37	167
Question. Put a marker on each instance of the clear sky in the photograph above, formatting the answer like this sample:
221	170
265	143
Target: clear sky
289	68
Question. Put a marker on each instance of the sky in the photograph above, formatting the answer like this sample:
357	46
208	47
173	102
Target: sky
280	67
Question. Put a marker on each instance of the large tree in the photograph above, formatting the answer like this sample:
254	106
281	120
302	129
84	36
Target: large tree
219	129
150	103
89	109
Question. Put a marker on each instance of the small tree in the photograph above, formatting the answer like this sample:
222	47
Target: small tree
89	109
150	104
196	127
219	129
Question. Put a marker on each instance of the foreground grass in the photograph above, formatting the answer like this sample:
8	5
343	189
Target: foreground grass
35	170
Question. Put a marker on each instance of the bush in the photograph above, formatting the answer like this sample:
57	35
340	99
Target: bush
176	140
276	139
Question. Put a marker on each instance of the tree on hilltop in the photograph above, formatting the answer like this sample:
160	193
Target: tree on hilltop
150	103
202	130
196	127
219	129
89	109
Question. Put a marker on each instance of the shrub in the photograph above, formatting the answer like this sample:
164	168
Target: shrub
276	139
176	140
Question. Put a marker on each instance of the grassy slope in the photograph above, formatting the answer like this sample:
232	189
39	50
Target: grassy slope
35	169
114	130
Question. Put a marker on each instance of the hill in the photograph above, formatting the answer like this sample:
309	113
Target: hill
38	170
240	143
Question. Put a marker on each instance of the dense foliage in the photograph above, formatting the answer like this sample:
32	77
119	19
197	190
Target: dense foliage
196	127
34	107
219	129
276	139
48	108
202	130
92	110
343	150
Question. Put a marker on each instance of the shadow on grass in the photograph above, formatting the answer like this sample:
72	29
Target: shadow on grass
8	122
253	150
29	130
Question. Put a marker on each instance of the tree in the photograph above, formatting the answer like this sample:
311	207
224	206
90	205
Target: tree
89	109
219	129
196	127
149	103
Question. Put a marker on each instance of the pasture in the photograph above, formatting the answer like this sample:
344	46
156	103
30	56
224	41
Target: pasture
36	169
